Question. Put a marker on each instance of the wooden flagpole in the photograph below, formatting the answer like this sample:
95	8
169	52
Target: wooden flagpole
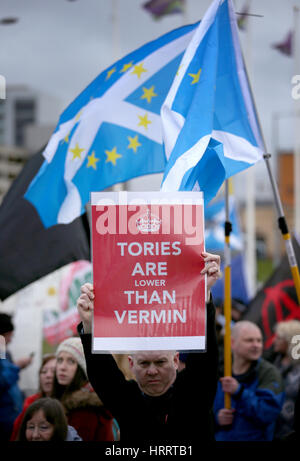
282	224
227	295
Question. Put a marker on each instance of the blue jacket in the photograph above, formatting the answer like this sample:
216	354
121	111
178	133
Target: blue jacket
11	398
257	401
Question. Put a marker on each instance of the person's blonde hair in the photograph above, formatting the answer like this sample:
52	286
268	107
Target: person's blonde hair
286	330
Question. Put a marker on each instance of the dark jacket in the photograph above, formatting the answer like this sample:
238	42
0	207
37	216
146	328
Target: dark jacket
294	435
257	403
11	398
291	377
296	426
184	412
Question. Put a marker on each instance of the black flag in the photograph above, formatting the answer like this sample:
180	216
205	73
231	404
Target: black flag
276	301
28	251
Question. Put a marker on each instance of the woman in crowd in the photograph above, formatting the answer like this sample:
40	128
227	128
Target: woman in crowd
84	410
289	366
46	377
45	421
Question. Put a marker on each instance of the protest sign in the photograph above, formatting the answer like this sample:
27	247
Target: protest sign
149	294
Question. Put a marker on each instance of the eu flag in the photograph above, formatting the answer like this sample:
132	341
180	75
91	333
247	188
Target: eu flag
111	132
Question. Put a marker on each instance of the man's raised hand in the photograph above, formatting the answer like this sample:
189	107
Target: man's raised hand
85	306
212	269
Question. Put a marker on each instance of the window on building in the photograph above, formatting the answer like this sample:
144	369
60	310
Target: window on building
24	115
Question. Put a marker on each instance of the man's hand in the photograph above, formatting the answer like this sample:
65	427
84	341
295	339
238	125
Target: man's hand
85	306
225	417
212	269
229	384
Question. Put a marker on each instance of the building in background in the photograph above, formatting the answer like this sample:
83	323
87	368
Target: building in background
266	227
12	160
27	119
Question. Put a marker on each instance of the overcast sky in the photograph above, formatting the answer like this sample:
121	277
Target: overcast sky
60	46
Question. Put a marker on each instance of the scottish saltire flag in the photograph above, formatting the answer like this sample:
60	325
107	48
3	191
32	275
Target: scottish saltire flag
210	129
215	217
111	132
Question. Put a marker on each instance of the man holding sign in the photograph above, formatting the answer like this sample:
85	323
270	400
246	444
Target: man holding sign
149	294
161	404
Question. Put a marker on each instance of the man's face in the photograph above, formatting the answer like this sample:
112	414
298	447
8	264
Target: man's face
155	371
248	344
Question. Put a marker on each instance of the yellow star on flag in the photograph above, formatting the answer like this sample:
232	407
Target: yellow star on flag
133	143
148	93
126	67
195	77
138	70
92	161
110	72
144	121
112	155
76	151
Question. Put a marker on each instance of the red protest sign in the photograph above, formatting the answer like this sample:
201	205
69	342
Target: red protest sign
149	294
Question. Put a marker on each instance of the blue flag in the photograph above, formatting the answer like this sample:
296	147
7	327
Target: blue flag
239	281
111	132
210	128
215	217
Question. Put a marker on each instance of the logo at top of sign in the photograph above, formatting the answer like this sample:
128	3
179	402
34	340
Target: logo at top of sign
148	223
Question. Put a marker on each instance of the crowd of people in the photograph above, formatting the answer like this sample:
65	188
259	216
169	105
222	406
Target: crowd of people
158	395
65	404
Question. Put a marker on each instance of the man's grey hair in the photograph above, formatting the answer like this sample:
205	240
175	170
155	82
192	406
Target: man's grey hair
241	325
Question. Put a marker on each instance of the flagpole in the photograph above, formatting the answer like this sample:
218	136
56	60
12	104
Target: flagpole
116	54
296	54
275	147
227	295
282	224
250	194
